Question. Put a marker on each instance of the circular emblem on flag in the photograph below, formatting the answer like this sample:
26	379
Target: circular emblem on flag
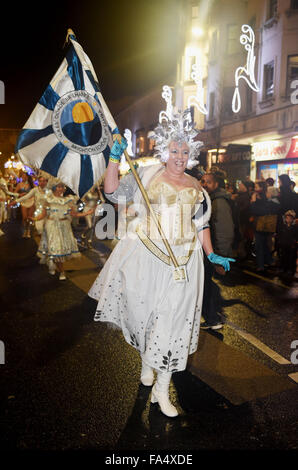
79	123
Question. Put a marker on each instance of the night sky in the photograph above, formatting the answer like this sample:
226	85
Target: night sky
132	45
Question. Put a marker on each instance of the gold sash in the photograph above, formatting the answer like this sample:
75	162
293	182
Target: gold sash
155	250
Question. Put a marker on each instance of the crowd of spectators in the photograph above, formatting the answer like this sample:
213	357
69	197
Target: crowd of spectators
255	219
249	221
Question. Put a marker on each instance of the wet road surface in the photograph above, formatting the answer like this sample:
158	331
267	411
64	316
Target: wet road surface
69	383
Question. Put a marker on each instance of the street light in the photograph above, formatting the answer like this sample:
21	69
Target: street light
197	32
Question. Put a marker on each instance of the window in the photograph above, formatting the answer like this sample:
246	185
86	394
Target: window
195	12
211	105
233	39
272	9
252	23
249	93
140	145
213	46
294	4
192	113
140	142
292	71
151	146
268	81
228	93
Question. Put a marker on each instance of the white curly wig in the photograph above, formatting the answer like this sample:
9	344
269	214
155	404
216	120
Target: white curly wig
177	128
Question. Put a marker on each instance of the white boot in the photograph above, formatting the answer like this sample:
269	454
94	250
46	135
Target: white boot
43	259
160	394
52	267
147	375
27	233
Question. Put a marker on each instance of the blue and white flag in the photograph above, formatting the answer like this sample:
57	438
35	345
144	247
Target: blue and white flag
69	133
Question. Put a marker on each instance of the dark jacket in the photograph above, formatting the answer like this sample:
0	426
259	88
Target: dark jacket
265	206
243	205
221	222
288	200
288	236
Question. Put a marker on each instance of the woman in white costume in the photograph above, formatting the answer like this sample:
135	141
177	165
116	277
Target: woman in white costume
27	207
57	241
4	194
38	194
136	289
3	213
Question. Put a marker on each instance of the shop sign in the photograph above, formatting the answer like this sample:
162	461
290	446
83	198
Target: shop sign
271	150
235	153
293	152
233	157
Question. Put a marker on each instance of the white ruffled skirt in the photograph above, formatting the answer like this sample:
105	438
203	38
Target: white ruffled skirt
159	317
57	241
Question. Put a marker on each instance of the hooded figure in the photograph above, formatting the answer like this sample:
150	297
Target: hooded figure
288	198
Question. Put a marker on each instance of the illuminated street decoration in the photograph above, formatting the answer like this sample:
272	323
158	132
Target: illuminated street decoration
169	114
167	96
198	99
247	72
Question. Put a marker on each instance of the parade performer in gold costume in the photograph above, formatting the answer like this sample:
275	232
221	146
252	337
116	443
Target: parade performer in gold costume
138	288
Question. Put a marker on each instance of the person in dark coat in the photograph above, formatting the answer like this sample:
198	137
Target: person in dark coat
222	235
287	197
287	240
221	221
262	206
242	202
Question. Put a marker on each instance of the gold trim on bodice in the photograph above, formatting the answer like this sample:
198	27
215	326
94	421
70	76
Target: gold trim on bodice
155	250
174	209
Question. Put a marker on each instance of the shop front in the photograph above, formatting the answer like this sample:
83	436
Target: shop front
233	159
276	157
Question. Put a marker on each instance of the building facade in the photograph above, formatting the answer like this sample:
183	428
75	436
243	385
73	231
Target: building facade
259	137
251	45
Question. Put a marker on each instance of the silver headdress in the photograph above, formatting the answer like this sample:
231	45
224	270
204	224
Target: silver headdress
176	127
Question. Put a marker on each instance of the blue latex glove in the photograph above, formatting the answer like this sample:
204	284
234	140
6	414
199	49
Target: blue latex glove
217	259
118	149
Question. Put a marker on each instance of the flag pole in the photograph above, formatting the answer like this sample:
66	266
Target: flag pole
152	213
180	270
